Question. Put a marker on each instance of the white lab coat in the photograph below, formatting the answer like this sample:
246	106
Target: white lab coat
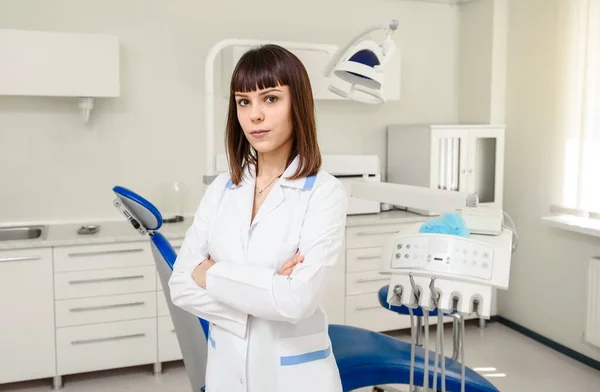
268	332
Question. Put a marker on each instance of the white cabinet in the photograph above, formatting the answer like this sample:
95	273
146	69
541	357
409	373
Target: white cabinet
465	158
48	63
27	349
106	309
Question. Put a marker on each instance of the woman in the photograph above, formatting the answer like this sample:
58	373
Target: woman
257	257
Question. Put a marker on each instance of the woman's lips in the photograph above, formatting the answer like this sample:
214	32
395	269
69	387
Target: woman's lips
259	133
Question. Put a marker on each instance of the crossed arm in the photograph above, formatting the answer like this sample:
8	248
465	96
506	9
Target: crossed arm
212	289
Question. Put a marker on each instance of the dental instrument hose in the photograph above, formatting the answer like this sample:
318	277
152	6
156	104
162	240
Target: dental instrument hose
437	345
426	348
440	334
412	349
462	353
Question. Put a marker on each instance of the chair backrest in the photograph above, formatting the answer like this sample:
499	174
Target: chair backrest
191	331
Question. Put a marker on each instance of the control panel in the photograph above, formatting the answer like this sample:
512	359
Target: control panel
443	253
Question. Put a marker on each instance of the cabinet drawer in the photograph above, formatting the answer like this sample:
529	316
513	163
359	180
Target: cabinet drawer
364	259
365	282
105	256
364	311
105	346
98	283
168	346
105	309
161	304
372	236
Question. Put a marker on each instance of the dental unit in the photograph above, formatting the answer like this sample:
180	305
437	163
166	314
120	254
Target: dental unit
453	273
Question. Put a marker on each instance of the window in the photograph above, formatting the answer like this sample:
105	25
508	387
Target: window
579	108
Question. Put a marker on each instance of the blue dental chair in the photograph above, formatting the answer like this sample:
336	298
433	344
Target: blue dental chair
364	358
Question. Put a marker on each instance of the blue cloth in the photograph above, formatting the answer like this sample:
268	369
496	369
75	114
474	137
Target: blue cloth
449	223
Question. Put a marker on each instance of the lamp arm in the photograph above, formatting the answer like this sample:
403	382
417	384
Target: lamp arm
389	27
209	122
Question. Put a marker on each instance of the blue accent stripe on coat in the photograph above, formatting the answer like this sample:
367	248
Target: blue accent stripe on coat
212	341
304	358
310	181
230	184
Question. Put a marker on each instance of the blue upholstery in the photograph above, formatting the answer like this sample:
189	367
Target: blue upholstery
153	218
367	358
383	293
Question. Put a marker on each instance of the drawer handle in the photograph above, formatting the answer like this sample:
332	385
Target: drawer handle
21	258
102	280
367	257
105	252
368	307
103	307
376	232
100	340
365	280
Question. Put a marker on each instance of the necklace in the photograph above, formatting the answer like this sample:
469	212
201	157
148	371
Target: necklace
260	191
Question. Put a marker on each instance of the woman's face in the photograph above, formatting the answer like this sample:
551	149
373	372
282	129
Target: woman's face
266	118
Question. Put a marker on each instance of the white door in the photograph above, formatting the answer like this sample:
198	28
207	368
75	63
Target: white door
27	321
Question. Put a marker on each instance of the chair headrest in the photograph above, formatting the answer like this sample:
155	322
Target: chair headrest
144	212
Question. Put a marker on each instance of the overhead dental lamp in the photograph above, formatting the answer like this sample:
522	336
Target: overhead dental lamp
359	63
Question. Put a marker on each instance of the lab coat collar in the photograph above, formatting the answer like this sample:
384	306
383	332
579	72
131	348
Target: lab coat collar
273	199
291	169
249	177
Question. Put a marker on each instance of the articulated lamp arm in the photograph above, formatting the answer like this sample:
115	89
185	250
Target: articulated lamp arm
429	199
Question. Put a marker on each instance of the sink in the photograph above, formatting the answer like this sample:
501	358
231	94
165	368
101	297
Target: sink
20	233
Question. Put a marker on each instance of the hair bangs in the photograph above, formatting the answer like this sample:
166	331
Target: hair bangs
258	69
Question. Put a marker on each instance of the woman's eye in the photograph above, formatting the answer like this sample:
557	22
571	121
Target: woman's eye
271	99
243	102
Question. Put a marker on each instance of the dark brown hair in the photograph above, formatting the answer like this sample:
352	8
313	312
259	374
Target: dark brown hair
266	67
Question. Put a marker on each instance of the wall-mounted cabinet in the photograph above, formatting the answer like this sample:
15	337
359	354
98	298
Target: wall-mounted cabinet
314	61
464	158
56	64
40	63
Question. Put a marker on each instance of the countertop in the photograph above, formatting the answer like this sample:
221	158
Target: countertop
121	231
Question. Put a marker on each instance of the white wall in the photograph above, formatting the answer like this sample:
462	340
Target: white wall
548	274
52	167
475	61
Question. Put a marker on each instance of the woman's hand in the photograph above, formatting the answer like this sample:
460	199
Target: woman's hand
199	273
289	266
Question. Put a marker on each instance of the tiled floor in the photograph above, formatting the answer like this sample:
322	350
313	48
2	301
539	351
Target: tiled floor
526	364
